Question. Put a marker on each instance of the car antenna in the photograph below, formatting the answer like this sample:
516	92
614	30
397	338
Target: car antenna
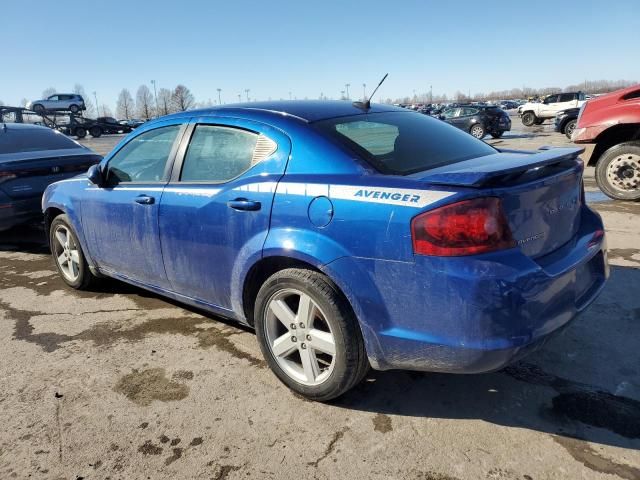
366	105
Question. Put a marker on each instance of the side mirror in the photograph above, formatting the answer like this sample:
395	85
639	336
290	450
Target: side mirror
94	174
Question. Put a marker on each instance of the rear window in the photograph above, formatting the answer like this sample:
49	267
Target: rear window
402	143
16	140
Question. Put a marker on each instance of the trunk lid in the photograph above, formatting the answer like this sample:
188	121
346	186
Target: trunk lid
541	192
25	175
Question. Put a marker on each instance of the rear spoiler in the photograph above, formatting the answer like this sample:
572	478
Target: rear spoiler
508	164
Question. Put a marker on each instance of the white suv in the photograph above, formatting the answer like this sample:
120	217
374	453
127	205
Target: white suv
533	113
59	101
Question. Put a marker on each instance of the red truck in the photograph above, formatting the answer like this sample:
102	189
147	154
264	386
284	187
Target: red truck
612	123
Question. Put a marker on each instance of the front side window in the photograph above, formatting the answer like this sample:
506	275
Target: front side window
551	99
567	97
218	154
401	143
144	158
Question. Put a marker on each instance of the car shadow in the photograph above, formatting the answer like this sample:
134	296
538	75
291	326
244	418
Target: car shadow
585	383
29	238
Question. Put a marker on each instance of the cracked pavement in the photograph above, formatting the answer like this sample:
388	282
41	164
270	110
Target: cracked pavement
119	383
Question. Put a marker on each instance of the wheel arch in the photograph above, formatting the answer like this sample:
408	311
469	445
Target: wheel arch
624	132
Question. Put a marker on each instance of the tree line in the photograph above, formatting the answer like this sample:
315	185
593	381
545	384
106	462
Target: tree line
147	105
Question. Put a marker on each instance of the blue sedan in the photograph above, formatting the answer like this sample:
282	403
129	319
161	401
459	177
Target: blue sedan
348	235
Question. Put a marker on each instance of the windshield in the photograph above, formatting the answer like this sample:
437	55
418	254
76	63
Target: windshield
15	140
402	143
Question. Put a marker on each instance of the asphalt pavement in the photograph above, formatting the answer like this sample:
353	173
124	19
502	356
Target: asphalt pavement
120	383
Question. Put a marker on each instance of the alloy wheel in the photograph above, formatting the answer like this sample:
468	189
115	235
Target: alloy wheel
67	253
300	337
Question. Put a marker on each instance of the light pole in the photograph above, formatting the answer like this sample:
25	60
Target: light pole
342	97
347	85
96	99
364	91
246	91
289	95
219	96
155	95
239	97
431	94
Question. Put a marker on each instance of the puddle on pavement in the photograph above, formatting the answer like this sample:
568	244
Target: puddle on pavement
594	197
584	403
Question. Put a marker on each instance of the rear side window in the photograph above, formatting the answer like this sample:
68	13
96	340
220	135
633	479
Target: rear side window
401	143
218	154
18	139
144	158
567	97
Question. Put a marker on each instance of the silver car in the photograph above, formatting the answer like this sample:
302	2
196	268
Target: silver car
59	101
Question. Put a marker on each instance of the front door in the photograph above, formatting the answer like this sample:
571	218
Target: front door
215	212
121	217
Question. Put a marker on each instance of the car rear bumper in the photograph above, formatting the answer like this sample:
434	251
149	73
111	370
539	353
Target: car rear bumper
471	314
17	212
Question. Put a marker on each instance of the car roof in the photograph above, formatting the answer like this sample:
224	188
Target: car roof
306	110
22	126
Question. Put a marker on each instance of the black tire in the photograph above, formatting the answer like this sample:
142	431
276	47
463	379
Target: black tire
85	277
81	132
570	127
478	131
539	121
38	108
74	109
95	131
351	363
529	119
618	182
497	134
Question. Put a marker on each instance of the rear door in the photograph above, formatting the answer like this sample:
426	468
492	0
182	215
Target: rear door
567	100
216	210
550	106
120	218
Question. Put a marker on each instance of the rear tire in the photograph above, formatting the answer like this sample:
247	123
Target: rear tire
540	121
95	132
569	128
67	254
477	130
529	119
300	318
38	108
618	172
497	134
74	109
81	132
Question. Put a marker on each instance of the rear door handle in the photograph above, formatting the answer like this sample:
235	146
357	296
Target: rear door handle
145	200
244	204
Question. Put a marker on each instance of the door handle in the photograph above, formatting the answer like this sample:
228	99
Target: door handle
244	204
145	200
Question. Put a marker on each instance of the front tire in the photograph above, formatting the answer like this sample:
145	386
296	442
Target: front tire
569	128
497	134
67	254
618	172
309	335
529	119
39	109
95	132
477	130
81	132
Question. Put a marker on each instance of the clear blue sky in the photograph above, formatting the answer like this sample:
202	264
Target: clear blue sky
273	47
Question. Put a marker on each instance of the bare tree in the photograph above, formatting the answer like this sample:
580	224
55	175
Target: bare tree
124	106
23	102
164	101
182	99
144	102
106	111
91	109
47	92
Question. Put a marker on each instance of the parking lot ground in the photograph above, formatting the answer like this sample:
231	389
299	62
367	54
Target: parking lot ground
119	383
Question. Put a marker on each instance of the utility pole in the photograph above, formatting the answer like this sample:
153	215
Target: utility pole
347	85
155	95
342	97
246	91
239	97
97	107
219	96
364	91
289	95
431	94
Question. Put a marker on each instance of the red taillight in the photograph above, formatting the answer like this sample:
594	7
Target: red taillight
463	228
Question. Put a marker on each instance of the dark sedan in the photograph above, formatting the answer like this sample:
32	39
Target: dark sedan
478	120
31	158
566	121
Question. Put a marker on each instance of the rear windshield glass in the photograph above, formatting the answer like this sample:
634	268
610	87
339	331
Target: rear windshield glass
16	140
401	143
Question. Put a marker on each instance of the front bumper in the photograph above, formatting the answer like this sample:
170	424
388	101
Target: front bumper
471	314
